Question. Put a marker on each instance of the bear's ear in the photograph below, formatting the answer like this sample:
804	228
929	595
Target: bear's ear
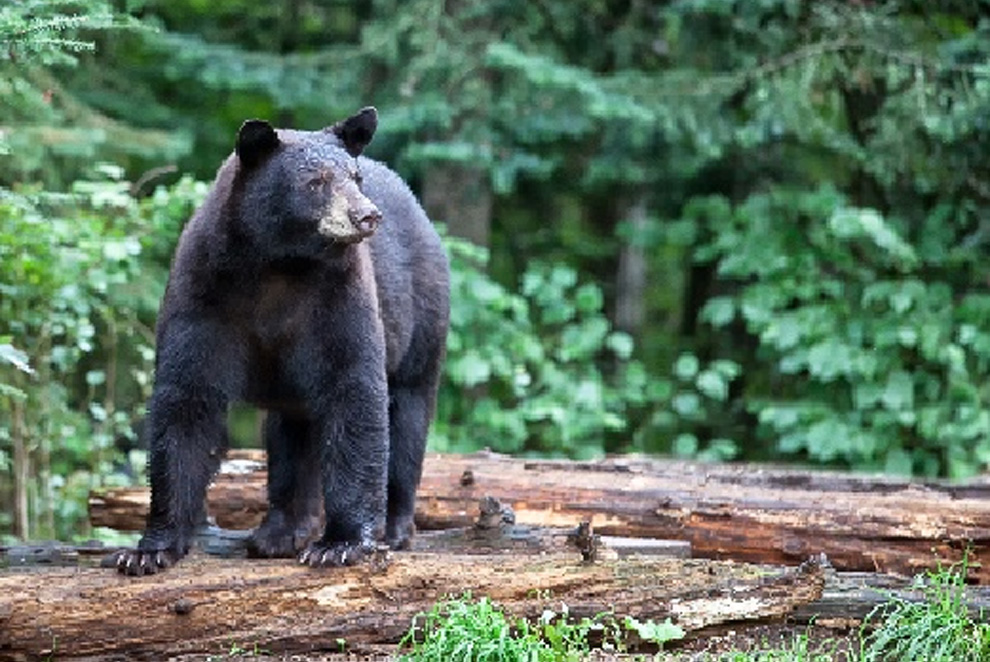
357	130
255	141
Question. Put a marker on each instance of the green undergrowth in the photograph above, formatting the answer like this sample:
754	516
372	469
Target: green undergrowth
479	631
938	626
933	625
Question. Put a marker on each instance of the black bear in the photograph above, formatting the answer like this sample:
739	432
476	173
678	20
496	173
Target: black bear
311	283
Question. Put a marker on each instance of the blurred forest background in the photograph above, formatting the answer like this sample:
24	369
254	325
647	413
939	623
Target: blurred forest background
720	229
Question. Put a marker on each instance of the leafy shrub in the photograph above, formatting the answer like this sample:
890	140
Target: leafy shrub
77	307
868	355
687	411
535	371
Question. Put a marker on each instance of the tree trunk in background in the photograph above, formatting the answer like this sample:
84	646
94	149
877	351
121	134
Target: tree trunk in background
460	197
22	523
289	26
630	280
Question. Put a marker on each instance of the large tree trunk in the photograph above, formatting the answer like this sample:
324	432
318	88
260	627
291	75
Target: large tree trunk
205	606
745	513
22	472
460	197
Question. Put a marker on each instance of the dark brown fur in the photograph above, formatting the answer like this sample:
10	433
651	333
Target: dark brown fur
341	337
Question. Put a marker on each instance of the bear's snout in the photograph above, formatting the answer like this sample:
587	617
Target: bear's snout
365	219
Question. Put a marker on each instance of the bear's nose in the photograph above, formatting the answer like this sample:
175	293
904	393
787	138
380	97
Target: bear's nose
366	220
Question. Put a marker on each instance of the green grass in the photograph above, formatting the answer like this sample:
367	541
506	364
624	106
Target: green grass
936	627
470	630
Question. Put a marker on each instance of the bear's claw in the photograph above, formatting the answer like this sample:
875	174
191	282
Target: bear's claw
333	555
136	562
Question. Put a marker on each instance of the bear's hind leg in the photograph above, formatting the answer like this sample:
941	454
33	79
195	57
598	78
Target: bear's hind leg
294	497
410	410
352	429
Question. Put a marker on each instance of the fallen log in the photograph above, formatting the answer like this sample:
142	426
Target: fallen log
747	513
204	605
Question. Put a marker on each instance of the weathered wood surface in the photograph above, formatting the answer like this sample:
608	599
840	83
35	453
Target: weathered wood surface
204	605
746	513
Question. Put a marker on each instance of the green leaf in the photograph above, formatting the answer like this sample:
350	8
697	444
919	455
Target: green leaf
728	369
658	633
686	367
588	298
713	385
96	377
718	311
9	391
621	343
866	395
852	223
685	445
687	405
719	450
898	462
898	394
781	418
470	369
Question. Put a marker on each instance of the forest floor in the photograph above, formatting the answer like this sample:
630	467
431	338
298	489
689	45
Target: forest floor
743	643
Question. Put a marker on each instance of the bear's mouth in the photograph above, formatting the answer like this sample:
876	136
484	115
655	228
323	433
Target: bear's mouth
358	232
368	224
350	239
344	226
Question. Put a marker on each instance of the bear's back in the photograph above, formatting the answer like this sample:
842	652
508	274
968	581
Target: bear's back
410	263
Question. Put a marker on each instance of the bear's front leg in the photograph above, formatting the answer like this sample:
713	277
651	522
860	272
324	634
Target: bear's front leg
187	440
352	431
187	436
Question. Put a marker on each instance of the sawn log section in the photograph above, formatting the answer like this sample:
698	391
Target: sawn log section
740	512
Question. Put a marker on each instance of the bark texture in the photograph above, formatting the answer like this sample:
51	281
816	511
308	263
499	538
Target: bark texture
206	605
745	513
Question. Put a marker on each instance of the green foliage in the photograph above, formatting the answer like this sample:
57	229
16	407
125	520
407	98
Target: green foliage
41	122
43	29
653	632
875	359
479	631
845	268
539	370
543	371
77	304
682	411
462	630
938	627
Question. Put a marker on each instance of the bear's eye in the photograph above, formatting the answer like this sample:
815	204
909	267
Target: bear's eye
316	184
358	178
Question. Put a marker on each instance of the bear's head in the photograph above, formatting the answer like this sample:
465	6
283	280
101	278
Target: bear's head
308	181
